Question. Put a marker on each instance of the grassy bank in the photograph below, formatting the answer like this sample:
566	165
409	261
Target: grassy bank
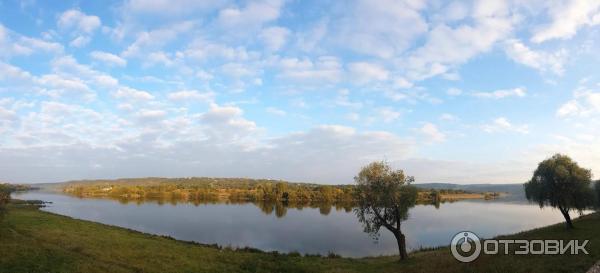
36	241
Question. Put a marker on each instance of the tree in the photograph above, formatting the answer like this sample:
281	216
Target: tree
384	197
560	183
5	191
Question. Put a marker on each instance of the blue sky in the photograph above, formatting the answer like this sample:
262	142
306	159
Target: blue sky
449	91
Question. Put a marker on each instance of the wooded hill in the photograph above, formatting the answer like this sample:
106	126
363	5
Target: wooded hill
232	189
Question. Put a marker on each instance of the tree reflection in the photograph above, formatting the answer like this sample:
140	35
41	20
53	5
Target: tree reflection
268	207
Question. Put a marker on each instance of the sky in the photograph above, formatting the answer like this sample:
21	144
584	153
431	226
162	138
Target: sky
449	91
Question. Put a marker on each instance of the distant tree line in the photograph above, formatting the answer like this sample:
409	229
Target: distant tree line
227	189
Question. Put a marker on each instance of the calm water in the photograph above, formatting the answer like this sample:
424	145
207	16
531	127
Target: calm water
309	230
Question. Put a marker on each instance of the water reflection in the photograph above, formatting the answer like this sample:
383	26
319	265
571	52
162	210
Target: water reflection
280	208
306	228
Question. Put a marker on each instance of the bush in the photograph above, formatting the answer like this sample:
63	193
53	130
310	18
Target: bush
332	255
4	194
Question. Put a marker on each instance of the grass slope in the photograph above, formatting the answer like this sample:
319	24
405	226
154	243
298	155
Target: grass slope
36	241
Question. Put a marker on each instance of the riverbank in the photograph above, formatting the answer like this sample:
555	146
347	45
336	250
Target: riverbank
36	241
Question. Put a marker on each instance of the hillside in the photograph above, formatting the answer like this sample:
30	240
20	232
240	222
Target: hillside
236	189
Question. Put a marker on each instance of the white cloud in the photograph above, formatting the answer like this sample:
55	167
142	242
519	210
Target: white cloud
78	21
7	115
502	93
10	73
539	60
448	46
380	29
201	49
432	133
227	124
402	83
254	13
567	17
62	124
158	57
150	116
314	155
68	66
80	41
353	116
569	108
388	115
191	95
502	124
203	75
55	86
225	144
156	39
108	58
309	40
585	103
343	100
454	91
448	117
389	47
133	94
3	34
80	25
31	45
275	111
325	69
12	44
166	8
455	11
68	79
364	72
237	70
274	37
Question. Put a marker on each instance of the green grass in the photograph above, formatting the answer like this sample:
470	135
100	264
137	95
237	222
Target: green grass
36	241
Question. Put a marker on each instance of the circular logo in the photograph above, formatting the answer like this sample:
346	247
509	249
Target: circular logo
465	246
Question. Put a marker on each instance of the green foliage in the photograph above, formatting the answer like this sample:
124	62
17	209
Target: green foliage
202	189
271	196
384	197
5	190
560	183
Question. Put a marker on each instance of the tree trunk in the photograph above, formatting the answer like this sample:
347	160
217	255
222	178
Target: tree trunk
401	245
565	214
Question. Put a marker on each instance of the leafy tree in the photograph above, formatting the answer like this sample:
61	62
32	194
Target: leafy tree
384	197
5	191
560	183
280	189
